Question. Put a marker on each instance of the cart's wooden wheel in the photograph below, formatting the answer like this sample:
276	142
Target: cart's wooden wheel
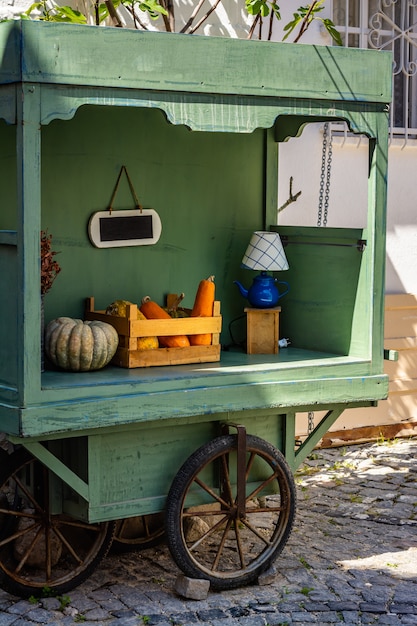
139	533
41	549
229	515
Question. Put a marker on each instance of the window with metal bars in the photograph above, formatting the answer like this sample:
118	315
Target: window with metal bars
387	25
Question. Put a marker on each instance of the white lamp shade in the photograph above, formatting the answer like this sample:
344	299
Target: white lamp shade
265	252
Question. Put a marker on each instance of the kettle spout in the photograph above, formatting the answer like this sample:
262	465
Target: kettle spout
243	291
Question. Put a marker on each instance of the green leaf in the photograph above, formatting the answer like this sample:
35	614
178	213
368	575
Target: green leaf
153	8
36	6
292	25
251	6
276	11
302	11
331	29
103	12
264	10
68	14
147	6
254	7
56	13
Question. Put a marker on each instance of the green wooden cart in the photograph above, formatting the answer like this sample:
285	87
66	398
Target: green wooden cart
197	122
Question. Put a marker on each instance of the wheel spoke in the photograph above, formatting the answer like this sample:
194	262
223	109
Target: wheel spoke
17	534
249	464
207	534
48	553
204	513
146	526
80	525
139	532
256	532
239	545
272	509
221	546
69	547
225	477
13	513
29	550
32	500
262	486
122	528
212	493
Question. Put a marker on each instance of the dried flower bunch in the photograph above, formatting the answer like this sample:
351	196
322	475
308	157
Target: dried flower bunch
49	267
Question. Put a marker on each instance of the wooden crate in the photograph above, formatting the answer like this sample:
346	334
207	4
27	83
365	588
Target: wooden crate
130	329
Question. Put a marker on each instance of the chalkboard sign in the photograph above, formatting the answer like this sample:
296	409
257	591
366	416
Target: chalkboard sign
135	227
122	228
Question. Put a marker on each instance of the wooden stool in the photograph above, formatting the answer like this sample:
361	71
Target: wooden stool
262	330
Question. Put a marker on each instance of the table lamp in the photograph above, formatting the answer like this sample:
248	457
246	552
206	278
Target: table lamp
266	253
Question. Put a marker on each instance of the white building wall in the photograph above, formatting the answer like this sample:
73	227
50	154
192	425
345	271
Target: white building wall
9	9
402	219
348	194
300	158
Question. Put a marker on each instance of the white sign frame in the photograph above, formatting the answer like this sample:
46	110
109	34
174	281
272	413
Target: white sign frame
94	232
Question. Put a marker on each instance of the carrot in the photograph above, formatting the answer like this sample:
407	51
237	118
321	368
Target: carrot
152	311
203	307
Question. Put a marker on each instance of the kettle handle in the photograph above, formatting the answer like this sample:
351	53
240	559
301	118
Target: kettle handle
283	282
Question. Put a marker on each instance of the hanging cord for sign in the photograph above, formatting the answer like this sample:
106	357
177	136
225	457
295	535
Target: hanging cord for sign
326	166
138	206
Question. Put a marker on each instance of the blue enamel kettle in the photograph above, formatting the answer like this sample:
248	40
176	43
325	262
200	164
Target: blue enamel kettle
263	293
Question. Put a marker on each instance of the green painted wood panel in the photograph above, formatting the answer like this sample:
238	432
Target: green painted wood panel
10	66
202	396
124	471
60	55
8	324
8	186
8	265
134	469
327	292
203	112
28	154
140	464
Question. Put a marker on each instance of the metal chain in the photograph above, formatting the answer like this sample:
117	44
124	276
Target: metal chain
322	176
326	166
328	172
310	426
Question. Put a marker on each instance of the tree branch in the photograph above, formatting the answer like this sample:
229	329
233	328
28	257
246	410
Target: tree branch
254	24
166	18
171	16
135	17
292	197
192	17
305	23
271	20
113	13
203	19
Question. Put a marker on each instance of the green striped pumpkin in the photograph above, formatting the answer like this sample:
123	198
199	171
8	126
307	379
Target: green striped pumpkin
78	346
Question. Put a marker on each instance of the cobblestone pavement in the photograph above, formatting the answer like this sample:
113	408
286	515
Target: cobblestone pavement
351	558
